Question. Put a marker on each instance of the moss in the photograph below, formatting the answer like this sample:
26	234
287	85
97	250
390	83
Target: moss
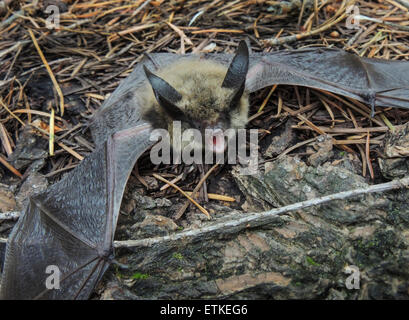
178	255
311	261
140	276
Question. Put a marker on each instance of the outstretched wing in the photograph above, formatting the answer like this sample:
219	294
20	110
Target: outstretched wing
66	233
122	109
373	81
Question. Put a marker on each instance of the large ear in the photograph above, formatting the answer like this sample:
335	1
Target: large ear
236	74
165	94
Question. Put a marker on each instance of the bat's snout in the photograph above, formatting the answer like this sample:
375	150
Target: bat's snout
215	140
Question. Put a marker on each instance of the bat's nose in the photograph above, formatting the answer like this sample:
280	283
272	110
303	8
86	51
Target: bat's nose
214	139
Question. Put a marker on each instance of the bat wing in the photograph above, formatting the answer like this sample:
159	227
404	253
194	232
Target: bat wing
122	109
373	81
71	225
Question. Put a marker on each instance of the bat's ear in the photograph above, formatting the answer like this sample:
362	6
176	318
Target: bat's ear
165	94
236	74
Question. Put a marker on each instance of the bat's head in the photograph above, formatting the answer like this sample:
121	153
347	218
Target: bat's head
202	95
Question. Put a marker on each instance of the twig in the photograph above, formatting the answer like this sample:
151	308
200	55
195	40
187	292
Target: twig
62	145
139	9
215	196
51	137
12	48
404	3
13	17
182	210
386	23
40	113
267	98
11	112
217	31
10	167
261	218
354	38
317	129
71	151
203	210
296	37
165	186
296	146
368	157
357	141
4	138
345	130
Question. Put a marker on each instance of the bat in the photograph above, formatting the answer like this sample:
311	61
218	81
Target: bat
71	225
202	95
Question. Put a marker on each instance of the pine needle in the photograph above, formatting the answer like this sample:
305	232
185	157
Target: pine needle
52	137
214	196
11	112
10	167
203	210
267	98
50	72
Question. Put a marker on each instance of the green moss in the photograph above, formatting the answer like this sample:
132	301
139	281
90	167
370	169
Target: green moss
140	276
178	256
311	261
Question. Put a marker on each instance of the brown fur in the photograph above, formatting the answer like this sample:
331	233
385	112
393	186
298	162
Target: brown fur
203	98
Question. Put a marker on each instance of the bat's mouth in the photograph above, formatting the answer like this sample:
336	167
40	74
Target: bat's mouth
215	140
